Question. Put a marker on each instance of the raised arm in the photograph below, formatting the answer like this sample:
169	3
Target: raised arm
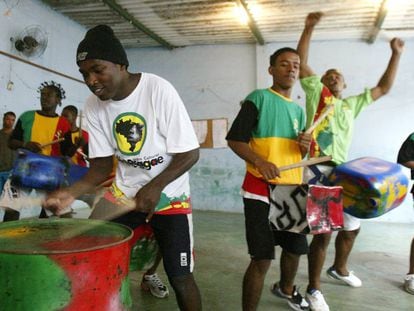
387	79
303	45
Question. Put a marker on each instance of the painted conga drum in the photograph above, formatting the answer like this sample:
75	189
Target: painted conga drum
64	264
372	187
144	249
306	209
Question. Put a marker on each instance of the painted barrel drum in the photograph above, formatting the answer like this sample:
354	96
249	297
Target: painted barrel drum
144	249
64	264
371	186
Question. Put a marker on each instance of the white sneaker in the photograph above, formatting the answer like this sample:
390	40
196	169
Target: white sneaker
316	301
351	279
409	283
154	284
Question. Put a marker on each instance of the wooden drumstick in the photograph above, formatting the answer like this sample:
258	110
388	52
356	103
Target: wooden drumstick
304	163
52	142
80	123
113	209
108	213
320	119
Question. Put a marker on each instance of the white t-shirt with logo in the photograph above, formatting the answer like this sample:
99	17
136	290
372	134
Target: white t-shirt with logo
144	131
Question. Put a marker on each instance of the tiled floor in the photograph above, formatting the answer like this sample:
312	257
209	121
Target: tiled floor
379	258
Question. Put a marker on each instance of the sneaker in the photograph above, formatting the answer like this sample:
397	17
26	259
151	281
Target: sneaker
295	301
153	284
409	283
351	279
316	301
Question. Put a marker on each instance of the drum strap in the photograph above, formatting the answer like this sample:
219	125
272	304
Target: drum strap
320	177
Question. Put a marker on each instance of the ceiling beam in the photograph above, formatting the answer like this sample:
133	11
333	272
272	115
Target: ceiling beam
382	14
137	24
251	22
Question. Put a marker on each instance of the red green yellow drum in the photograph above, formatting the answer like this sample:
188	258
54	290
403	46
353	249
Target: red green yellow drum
64	264
144	249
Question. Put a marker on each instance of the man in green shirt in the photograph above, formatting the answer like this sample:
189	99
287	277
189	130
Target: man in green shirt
333	137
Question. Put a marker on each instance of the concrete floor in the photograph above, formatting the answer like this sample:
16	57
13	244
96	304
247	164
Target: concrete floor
379	258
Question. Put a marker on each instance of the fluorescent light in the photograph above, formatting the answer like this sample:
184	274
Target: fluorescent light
241	14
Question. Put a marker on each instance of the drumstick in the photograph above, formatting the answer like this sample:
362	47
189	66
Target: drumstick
303	163
108	213
52	142
82	154
320	119
80	123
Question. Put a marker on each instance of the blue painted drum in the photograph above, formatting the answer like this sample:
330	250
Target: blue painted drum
32	170
371	186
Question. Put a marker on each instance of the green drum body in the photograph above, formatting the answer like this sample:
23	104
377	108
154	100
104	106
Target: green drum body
144	249
64	264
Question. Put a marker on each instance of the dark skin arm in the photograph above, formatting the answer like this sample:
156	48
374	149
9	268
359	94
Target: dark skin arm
99	170
149	195
31	145
304	42
387	80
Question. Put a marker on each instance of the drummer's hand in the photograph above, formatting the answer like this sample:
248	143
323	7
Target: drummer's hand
147	199
267	169
58	201
32	146
304	141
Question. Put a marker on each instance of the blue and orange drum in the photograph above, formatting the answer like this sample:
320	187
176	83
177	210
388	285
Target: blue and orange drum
64	264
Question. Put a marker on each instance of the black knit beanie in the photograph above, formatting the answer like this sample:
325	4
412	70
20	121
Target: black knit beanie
100	43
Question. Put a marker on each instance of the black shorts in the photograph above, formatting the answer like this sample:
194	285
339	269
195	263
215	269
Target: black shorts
261	238
174	236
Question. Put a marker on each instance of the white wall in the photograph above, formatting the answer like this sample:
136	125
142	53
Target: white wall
212	81
63	37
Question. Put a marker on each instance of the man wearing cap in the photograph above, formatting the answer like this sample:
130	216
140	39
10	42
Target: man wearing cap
140	119
333	137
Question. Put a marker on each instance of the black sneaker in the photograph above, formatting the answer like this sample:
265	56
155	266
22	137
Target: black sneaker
295	301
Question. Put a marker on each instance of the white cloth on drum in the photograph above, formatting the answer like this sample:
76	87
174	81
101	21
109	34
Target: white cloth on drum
351	223
19	199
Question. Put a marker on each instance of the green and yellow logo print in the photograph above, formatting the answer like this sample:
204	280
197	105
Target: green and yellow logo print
130	131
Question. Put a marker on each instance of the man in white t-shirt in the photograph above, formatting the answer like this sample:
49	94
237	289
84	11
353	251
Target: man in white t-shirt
140	119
